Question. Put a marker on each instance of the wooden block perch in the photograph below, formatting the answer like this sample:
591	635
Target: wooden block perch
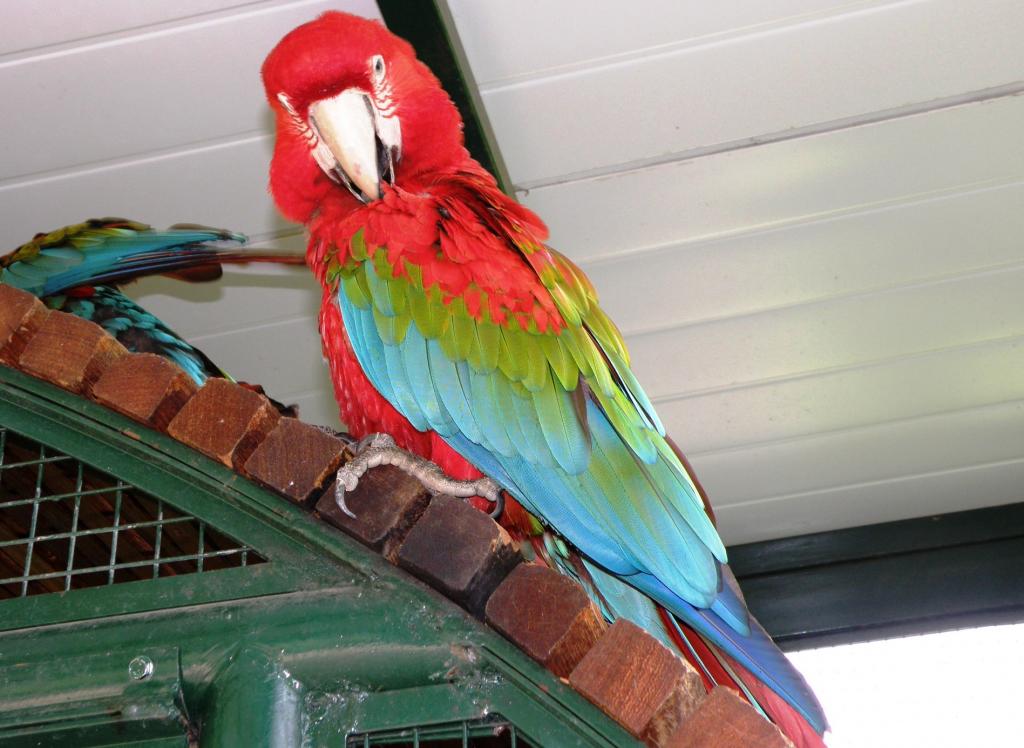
224	421
21	315
387	502
296	459
638	682
724	720
70	352
548	615
460	551
146	387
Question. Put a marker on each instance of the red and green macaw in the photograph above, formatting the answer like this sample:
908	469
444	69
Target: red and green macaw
449	324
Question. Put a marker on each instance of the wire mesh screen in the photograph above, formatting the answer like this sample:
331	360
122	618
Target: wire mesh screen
492	732
65	525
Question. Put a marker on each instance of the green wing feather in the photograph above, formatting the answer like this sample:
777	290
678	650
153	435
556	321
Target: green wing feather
528	398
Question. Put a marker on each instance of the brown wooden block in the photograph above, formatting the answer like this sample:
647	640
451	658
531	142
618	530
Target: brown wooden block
21	315
146	387
548	615
387	502
637	681
460	551
724	720
224	421
70	352
296	459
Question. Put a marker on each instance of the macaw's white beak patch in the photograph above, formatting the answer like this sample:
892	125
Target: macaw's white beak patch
356	146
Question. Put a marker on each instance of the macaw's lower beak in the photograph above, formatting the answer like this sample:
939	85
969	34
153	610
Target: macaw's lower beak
350	149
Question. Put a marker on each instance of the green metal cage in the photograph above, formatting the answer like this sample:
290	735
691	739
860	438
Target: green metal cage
66	525
151	597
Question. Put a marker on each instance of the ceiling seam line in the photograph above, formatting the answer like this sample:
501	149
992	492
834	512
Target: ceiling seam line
881	116
827	371
144	32
872	483
669	49
866	293
908	200
144	157
817	435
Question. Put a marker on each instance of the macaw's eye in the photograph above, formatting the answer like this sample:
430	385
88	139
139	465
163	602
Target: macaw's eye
377	65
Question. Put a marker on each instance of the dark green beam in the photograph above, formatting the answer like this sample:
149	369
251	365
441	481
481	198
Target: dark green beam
428	26
909	577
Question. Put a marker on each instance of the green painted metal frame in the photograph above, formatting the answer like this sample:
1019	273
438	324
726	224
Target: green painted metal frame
463	731
324	638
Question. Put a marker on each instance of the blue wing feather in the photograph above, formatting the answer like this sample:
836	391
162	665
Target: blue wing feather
418	373
488	408
451	382
103	256
534	447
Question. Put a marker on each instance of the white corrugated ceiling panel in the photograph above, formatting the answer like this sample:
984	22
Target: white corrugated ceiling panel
805	214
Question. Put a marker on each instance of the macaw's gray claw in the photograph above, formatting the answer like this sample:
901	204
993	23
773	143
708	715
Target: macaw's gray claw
380	449
344	481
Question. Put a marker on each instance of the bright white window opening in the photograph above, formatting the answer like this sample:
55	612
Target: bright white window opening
958	688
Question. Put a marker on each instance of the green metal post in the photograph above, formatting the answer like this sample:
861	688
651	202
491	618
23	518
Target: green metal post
252	701
429	27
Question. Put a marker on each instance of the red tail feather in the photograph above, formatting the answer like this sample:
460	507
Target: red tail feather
708	661
792	724
695	651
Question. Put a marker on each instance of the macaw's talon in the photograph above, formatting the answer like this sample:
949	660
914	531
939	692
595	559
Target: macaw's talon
380	449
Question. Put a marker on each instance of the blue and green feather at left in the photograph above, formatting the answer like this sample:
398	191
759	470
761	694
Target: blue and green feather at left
78	268
137	330
111	251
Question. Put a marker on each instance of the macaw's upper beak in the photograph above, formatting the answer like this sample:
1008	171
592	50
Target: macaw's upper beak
351	148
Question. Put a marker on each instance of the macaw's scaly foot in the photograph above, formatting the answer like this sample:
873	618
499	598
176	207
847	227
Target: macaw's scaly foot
380	449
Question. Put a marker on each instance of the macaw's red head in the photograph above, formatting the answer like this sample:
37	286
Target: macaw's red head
356	111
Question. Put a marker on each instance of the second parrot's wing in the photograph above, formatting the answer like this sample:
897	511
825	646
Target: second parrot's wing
138	330
110	251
